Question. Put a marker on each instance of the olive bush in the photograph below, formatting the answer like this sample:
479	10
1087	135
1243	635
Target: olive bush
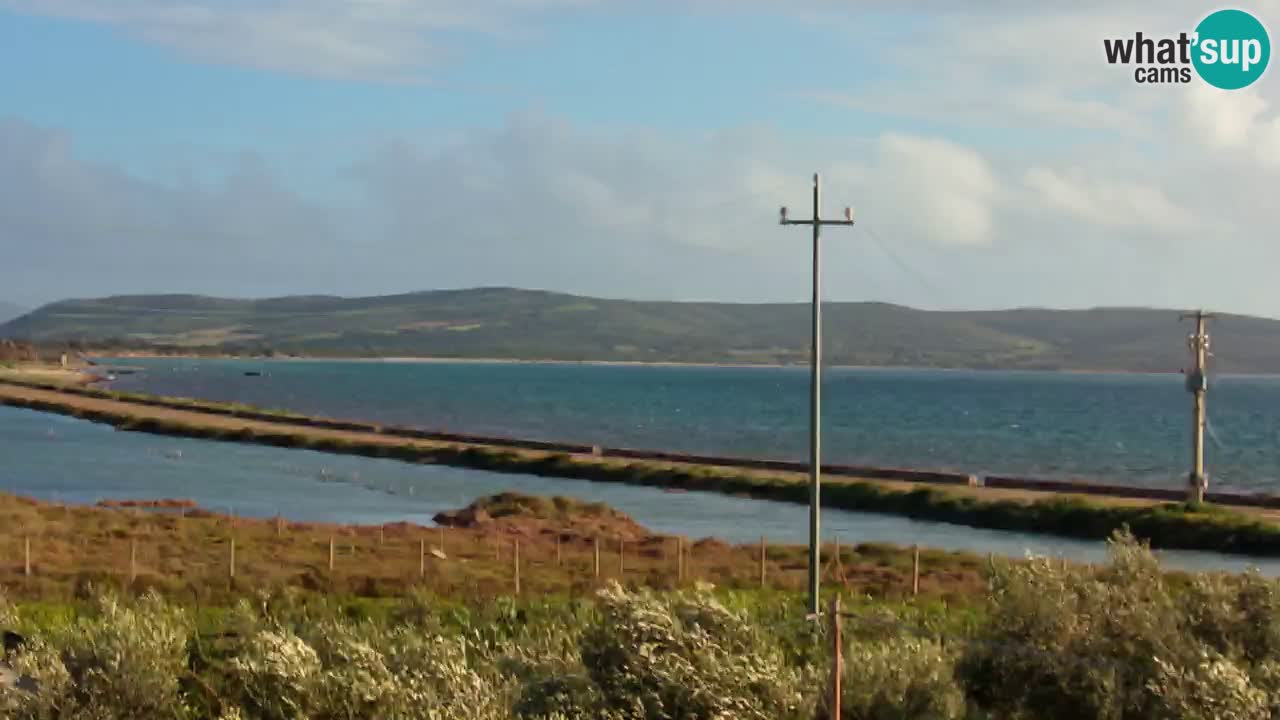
353	671
679	657
902	678
1215	688
121	661
1123	642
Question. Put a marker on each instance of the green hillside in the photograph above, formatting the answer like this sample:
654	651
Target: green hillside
526	324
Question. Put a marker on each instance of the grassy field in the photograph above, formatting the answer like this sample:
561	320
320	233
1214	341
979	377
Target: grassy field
189	556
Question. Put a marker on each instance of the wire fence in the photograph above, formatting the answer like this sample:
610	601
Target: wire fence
55	550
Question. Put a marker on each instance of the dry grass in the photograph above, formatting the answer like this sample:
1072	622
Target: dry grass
188	557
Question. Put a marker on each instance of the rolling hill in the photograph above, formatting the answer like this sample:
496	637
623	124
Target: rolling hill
529	324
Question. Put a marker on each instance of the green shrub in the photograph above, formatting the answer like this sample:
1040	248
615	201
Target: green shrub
358	671
901	678
120	662
685	657
1122	642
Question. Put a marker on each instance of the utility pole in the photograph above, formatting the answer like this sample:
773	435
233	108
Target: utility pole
815	391
1198	386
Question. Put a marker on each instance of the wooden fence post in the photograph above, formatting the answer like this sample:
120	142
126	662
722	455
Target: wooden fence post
558	550
515	559
622	558
133	560
422	558
231	568
441	538
837	658
763	557
381	535
330	554
596	564
915	569
279	525
26	564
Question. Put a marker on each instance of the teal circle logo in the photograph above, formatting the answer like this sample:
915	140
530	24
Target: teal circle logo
1231	49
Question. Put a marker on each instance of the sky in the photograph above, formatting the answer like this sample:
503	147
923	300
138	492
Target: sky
257	148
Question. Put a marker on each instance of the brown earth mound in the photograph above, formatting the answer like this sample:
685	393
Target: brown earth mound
527	515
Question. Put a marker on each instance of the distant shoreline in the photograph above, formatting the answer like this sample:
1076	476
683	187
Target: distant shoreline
623	363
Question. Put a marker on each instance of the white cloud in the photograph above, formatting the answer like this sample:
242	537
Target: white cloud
972	164
1222	119
948	189
384	40
1109	201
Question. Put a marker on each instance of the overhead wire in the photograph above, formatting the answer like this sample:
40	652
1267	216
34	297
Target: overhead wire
935	292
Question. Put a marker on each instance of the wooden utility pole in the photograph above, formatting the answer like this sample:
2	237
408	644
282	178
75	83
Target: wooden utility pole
1198	386
815	390
764	548
915	570
837	659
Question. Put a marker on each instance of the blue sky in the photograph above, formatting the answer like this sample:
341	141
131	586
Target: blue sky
268	147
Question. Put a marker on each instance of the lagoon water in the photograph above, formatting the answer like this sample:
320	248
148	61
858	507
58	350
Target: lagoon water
68	460
1120	428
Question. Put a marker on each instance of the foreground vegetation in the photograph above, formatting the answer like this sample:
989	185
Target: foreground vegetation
1119	641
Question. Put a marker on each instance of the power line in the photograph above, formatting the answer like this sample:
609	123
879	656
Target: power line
906	267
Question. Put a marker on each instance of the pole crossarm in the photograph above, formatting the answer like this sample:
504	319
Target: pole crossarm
815	391
820	222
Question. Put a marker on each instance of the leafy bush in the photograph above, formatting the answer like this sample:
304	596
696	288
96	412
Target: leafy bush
904	678
685	656
361	670
120	662
1122	642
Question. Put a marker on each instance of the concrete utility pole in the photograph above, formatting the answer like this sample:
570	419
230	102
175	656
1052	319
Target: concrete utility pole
815	394
1198	386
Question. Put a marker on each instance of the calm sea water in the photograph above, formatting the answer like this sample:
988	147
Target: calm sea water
69	460
1123	428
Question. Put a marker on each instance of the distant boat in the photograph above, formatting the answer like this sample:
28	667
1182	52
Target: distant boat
253	373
